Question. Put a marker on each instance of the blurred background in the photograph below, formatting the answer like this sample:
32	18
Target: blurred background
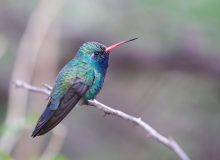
170	77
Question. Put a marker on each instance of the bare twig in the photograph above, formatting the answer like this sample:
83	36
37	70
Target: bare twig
151	132
21	84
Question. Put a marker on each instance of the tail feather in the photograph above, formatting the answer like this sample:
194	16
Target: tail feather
47	114
51	118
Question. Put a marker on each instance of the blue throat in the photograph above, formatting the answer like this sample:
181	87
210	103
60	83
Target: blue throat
102	66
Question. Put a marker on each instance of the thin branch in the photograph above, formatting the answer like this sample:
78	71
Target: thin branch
21	84
151	132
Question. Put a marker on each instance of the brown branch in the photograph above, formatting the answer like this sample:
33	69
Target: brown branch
151	132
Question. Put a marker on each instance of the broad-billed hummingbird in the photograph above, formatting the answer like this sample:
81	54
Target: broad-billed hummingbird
81	78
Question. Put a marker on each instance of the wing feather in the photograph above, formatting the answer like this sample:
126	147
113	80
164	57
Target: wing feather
50	118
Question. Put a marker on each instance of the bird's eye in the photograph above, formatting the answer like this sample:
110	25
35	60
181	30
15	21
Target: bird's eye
96	53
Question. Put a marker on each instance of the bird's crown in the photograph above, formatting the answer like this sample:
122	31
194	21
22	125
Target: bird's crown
90	47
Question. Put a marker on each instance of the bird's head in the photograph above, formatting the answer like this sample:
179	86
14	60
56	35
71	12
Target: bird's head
97	53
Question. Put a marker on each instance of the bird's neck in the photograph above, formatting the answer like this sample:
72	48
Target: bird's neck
100	66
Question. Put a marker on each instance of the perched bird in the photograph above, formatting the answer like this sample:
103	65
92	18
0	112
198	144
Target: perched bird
81	78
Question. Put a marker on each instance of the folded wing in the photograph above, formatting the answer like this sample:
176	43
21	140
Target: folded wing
50	118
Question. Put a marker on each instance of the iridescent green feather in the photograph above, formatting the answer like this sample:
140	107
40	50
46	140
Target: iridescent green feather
74	69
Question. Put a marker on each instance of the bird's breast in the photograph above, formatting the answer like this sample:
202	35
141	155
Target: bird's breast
96	86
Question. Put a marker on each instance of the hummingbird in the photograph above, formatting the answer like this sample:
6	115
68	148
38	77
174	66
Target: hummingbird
81	78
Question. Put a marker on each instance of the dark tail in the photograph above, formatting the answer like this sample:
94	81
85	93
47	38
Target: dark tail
47	114
51	118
